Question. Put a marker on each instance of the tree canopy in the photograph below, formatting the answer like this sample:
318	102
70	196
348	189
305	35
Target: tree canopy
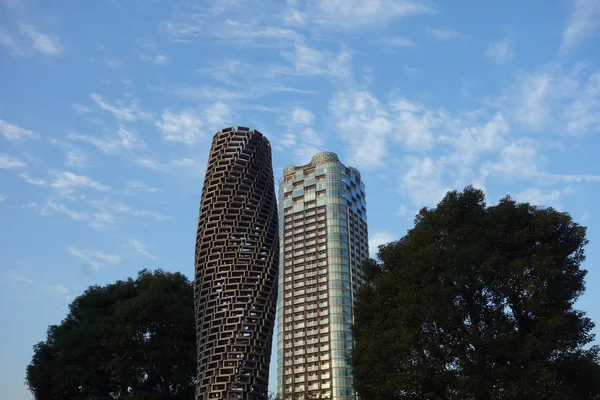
477	302
132	339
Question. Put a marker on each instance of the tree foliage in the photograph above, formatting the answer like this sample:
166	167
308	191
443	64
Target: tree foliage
133	340
476	302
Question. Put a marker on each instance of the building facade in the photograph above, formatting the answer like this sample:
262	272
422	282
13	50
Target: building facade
236	267
323	240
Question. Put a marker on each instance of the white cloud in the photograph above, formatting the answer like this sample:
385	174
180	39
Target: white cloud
124	141
399	41
353	14
182	162
30	40
113	62
14	132
363	124
538	197
190	127
411	71
63	291
40	42
376	239
128	113
149	51
303	145
94	258
443	34
501	51
226	21
583	23
141	248
301	116
96	220
3	197
534	108
413	124
33	181
310	61
423	182
107	206
21	278
582	115
10	162
51	206
160	59
10	43
80	108
66	183
76	158
135	187
518	160
557	100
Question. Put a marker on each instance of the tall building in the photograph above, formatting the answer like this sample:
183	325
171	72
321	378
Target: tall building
237	257
323	239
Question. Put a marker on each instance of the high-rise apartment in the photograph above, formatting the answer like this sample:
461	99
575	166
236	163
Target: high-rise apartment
323	239
237	258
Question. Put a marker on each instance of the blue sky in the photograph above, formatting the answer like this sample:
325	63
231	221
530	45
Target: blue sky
107	109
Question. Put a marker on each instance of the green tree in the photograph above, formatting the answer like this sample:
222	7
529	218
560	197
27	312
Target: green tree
476	302
132	339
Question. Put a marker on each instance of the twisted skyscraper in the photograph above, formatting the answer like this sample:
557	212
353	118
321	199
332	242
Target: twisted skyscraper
237	257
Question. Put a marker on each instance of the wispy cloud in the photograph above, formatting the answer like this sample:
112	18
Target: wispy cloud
355	14
14	132
540	197
66	183
583	23
108	206
33	181
41	42
149	51
141	248
30	40
129	113
226	21
377	239
398	41
96	220
190	126
10	162
502	50
95	259
560	101
135	187
364	124
443	34
423	180
310	61
20	278
301	139
125	140
3	197
52	206
62	291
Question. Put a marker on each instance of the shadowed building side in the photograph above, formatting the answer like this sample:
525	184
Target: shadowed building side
236	265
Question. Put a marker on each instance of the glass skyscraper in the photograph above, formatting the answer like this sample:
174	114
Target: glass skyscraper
323	240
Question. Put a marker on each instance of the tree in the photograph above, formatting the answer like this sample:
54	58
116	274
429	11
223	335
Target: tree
132	339
476	302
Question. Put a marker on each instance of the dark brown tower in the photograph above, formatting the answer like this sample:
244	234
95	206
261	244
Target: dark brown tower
237	257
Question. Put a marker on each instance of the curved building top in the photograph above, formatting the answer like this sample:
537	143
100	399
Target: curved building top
319	158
